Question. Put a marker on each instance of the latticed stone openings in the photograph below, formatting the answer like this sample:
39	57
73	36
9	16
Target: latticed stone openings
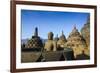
74	47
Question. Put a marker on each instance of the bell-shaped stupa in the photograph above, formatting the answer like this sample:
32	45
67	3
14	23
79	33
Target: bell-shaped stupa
62	40
85	31
35	41
76	42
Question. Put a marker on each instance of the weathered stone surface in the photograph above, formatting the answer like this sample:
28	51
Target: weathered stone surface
62	40
35	41
76	42
85	31
50	44
31	56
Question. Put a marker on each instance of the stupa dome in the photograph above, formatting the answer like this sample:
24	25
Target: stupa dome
35	41
62	40
76	42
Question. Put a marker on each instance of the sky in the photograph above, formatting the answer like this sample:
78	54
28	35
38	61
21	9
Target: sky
50	21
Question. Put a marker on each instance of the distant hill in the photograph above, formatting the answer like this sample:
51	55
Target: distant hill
44	40
24	41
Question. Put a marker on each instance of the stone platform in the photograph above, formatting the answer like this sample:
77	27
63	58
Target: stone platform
45	56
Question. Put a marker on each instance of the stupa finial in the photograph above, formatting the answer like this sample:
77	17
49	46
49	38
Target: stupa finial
62	32
36	32
74	26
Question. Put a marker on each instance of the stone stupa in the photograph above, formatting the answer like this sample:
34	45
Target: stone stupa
35	41
85	31
76	42
62	40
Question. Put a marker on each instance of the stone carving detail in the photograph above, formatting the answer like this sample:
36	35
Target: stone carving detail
85	31
50	44
35	41
76	42
62	40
